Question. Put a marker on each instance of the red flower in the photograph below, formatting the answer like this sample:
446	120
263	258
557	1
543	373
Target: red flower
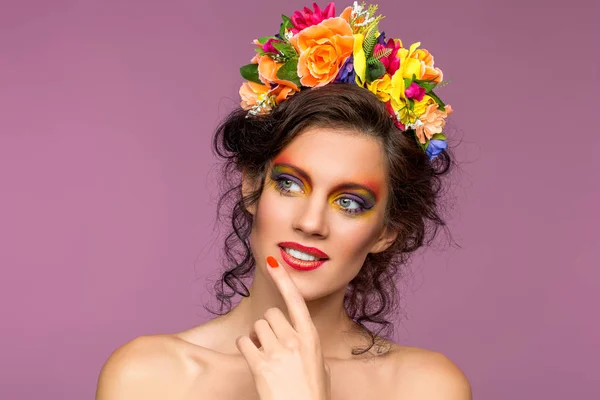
307	17
392	61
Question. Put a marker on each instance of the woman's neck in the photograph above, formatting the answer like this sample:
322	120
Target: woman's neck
337	332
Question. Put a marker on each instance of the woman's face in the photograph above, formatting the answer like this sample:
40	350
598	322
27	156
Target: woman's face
324	196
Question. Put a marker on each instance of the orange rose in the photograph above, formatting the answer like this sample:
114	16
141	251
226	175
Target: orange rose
323	49
254	95
282	92
428	71
250	92
267	72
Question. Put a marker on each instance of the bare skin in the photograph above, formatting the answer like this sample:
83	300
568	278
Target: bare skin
178	367
205	362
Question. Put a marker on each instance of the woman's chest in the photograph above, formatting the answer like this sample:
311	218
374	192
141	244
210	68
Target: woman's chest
353	380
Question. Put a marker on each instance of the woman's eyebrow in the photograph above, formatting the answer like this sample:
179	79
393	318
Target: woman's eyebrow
370	191
303	174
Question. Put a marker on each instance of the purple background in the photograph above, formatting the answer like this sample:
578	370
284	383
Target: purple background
107	184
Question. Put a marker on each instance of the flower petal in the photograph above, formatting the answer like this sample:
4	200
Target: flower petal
360	60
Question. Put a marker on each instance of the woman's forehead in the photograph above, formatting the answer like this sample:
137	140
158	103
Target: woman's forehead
335	154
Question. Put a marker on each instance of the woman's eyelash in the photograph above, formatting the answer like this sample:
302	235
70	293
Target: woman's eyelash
280	179
360	209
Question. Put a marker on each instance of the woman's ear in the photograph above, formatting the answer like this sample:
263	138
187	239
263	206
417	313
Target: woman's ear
385	240
249	185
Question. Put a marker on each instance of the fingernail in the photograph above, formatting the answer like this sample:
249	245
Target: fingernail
272	262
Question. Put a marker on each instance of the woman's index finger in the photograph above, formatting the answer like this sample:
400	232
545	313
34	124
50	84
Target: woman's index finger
297	309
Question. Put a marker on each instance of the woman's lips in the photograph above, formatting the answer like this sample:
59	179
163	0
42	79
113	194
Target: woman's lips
313	251
300	265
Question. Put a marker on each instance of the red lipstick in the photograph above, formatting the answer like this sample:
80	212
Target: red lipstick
313	251
302	265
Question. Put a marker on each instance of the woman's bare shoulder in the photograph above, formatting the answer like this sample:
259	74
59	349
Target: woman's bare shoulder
150	367
427	374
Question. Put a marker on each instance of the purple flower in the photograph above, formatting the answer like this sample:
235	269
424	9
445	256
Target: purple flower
415	91
346	73
435	147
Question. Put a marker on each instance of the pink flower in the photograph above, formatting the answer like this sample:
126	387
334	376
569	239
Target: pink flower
392	61
414	91
305	18
268	46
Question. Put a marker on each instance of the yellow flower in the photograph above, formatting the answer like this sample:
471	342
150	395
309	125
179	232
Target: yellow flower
381	87
409	65
418	62
360	59
408	116
421	106
415	62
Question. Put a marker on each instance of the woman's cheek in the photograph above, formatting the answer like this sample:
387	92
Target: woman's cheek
273	211
361	226
360	239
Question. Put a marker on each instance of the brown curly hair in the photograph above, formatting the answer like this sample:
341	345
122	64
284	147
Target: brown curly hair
248	142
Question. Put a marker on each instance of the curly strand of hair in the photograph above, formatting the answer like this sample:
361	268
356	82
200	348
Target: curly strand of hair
414	207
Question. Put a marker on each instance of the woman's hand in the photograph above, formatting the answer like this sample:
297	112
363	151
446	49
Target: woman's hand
290	365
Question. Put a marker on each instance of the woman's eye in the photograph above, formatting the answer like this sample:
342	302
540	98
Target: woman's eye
288	185
349	205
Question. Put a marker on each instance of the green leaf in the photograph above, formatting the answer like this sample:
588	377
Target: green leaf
439	136
375	71
286	19
289	71
428	86
407	82
411	104
287	24
286	49
444	83
250	73
440	103
382	53
370	42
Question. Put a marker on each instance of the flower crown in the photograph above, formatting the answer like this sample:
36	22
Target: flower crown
315	48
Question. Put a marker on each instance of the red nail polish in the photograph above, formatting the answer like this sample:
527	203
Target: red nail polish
272	262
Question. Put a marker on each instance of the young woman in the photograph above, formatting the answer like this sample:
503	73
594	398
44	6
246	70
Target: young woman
336	170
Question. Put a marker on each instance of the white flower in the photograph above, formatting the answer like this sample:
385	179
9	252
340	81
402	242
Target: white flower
357	12
417	123
356	8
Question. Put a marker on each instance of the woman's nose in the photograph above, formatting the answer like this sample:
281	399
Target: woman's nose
311	218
